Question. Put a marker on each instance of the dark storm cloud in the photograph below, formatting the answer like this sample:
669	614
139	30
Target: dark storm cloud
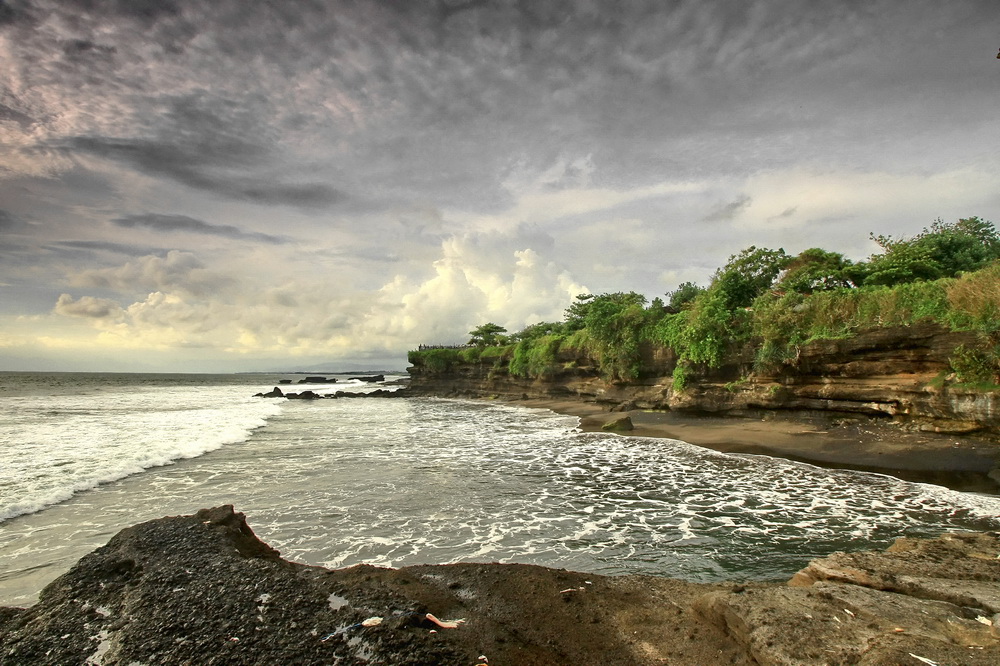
9	222
200	167
7	114
170	223
74	48
216	144
105	246
729	211
785	214
12	12
144	11
88	307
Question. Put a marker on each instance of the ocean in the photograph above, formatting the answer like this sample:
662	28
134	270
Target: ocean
402	481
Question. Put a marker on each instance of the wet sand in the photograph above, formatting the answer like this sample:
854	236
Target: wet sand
960	462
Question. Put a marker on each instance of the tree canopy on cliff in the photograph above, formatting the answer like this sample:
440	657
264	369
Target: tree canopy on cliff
765	303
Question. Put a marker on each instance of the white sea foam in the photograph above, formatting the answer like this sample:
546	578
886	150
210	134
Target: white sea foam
408	481
63	444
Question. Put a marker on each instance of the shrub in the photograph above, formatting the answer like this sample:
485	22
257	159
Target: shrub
943	250
976	366
435	360
535	357
974	300
680	377
705	332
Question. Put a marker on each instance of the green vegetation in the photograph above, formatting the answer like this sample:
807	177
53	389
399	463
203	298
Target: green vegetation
764	305
487	335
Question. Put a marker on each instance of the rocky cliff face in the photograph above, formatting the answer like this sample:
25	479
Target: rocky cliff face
202	589
898	373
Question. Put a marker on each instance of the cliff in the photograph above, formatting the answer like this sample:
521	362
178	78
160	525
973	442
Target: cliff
900	374
203	589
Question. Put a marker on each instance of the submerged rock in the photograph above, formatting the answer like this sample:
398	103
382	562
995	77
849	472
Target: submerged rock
204	589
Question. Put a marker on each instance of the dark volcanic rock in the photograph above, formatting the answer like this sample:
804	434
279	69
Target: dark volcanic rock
377	393
273	393
305	395
203	589
200	589
318	380
369	378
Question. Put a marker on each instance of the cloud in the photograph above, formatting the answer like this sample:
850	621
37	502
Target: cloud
8	114
100	246
88	307
10	222
510	277
205	168
173	223
441	163
728	212
788	212
178	271
79	48
804	197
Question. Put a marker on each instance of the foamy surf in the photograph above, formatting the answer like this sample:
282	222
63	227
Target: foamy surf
66	444
409	481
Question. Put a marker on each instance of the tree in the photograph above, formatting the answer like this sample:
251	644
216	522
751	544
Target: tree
942	250
487	335
538	330
817	270
614	322
748	275
683	295
576	314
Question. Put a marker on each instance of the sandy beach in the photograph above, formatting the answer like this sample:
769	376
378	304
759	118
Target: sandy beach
961	462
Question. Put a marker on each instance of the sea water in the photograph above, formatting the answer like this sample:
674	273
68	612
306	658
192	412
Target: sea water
401	481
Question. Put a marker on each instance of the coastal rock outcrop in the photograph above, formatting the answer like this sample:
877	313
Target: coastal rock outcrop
896	373
369	378
204	589
304	395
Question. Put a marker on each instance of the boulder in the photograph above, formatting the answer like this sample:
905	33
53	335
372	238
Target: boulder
370	378
304	395
273	393
623	424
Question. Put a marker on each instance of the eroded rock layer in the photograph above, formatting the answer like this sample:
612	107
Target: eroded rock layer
898	373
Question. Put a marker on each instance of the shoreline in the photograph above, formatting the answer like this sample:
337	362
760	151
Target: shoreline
204	588
962	463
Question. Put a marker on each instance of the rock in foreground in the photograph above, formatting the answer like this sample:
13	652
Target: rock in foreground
203	589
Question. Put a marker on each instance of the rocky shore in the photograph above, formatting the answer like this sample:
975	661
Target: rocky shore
203	589
882	401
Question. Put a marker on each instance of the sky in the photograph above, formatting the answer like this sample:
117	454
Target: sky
229	185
